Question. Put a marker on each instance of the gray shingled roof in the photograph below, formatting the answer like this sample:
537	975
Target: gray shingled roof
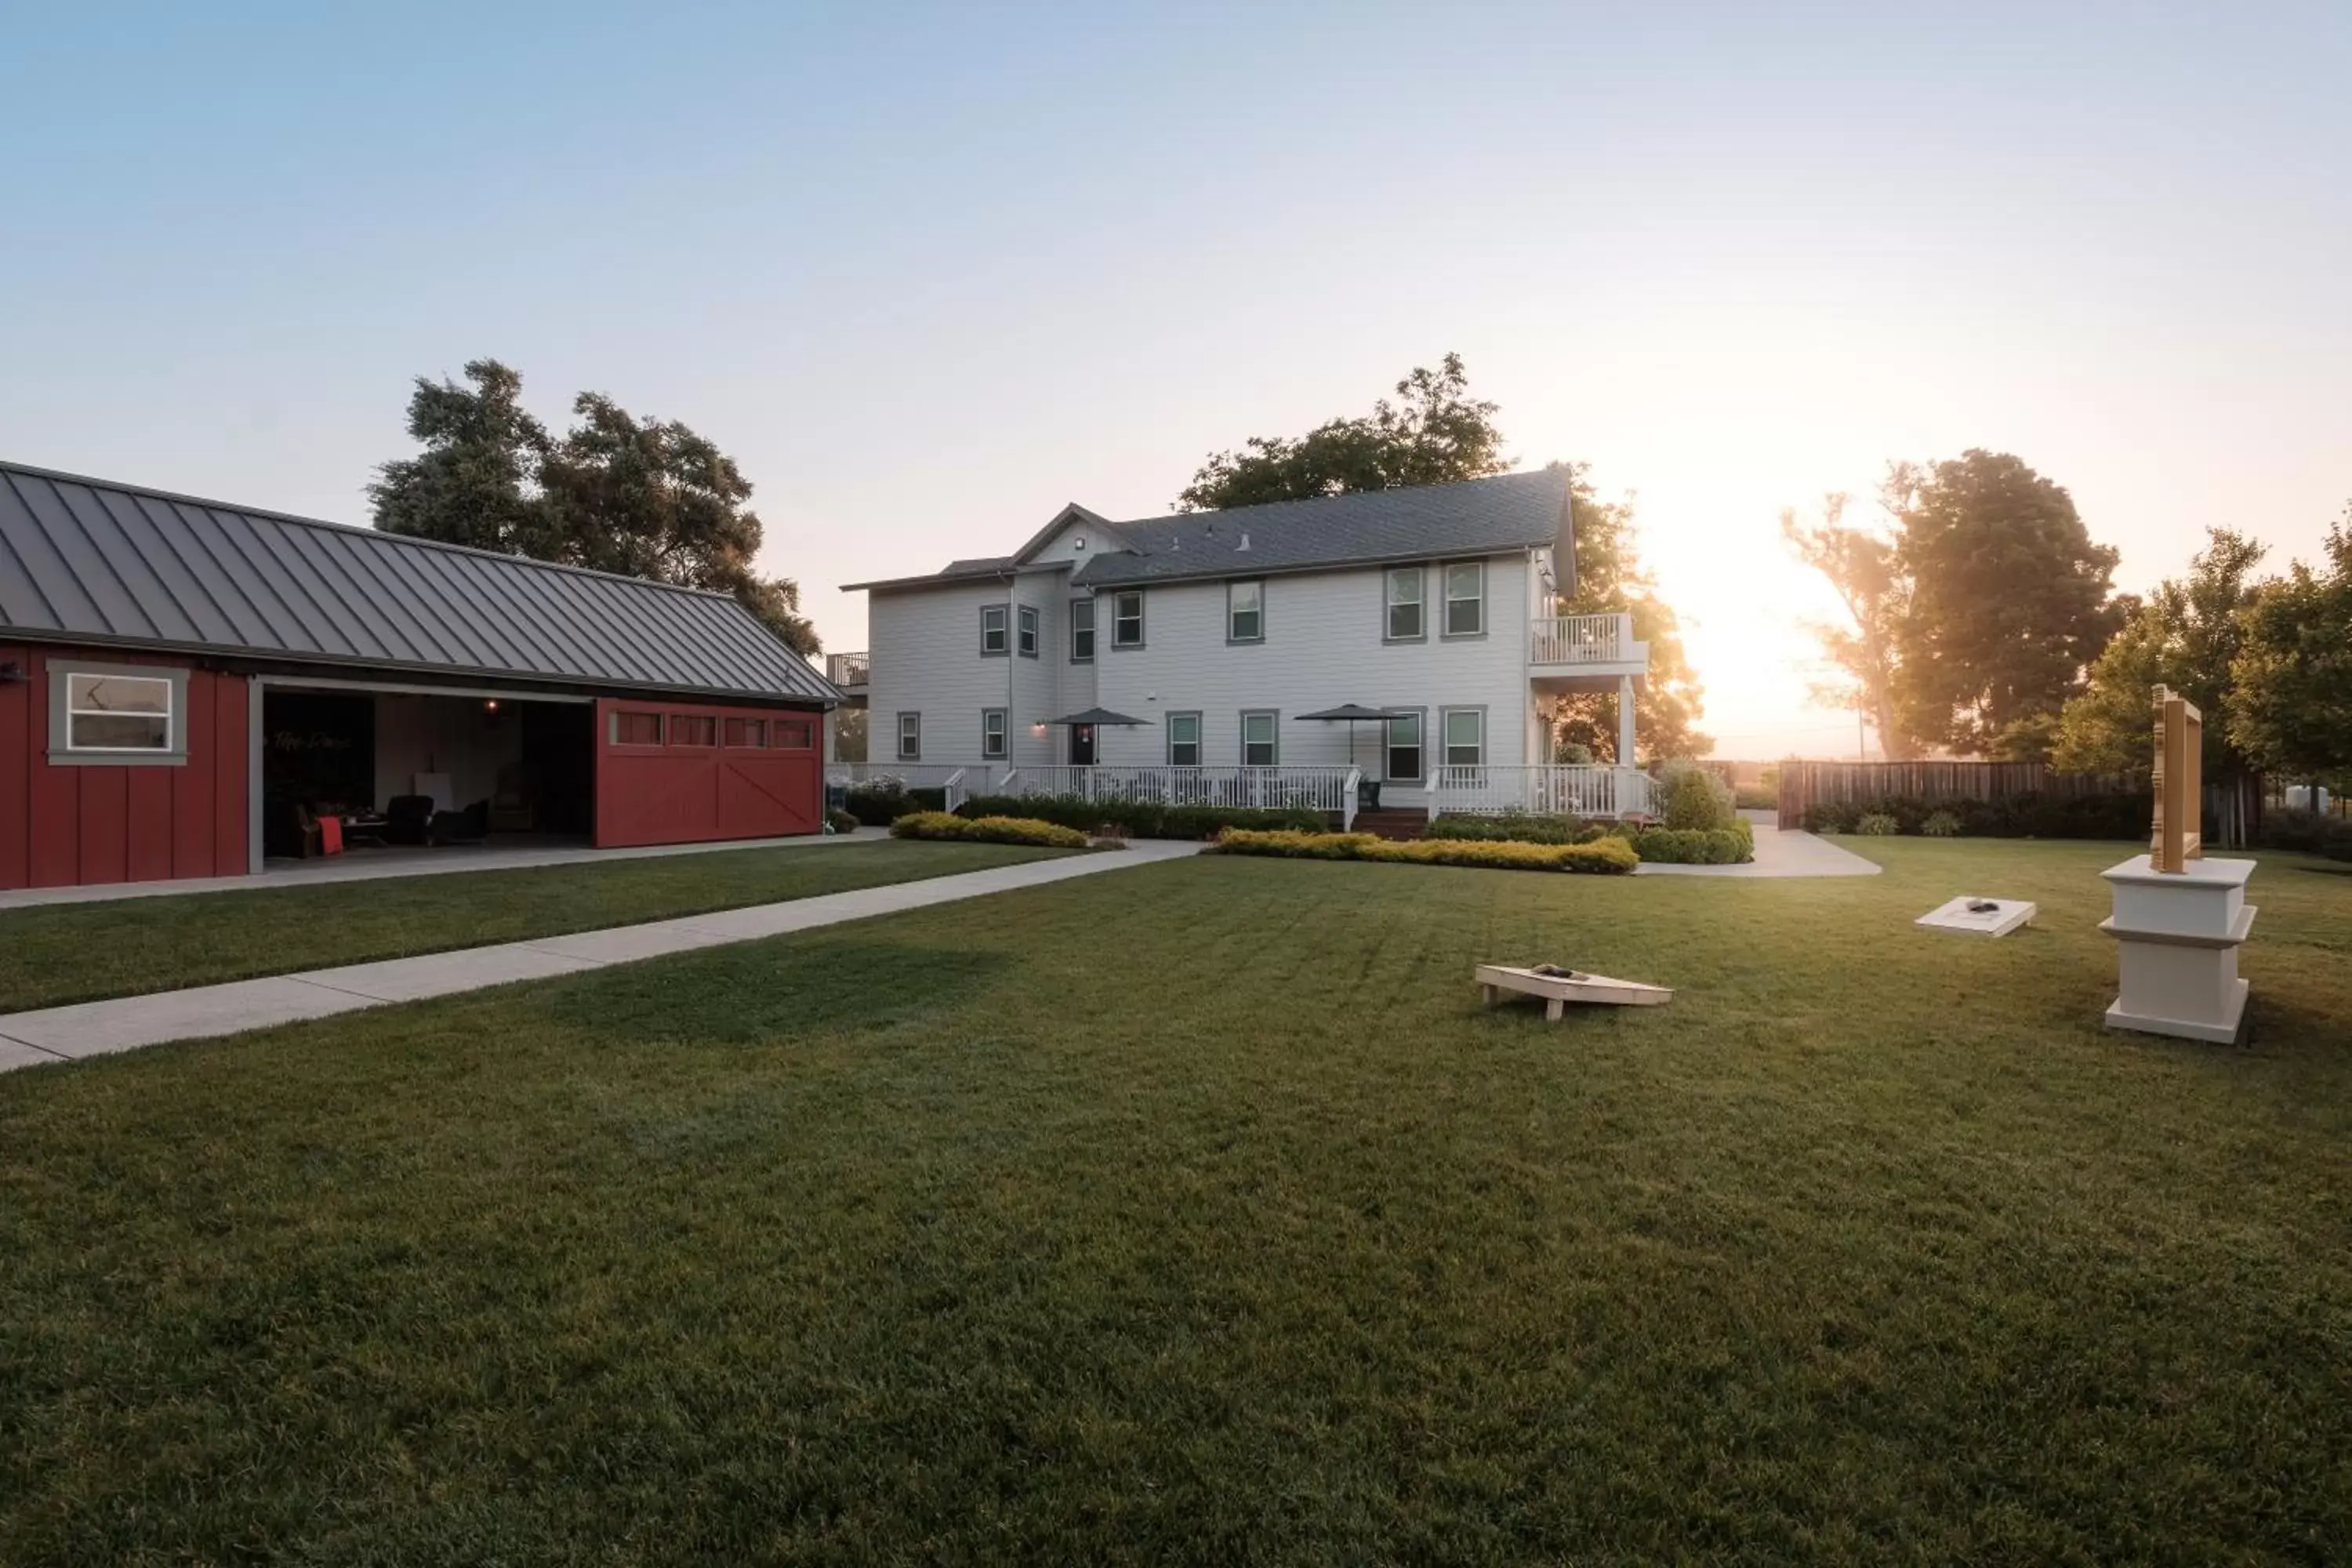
95	561
1475	516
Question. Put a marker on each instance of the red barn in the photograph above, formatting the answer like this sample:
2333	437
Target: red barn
186	686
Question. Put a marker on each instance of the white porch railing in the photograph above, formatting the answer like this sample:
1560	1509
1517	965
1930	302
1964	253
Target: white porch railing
960	781
1581	639
1547	791
1331	789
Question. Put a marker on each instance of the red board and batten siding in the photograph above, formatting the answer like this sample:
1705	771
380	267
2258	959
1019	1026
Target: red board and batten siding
62	826
688	795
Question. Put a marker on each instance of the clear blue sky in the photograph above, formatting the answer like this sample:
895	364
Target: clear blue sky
928	273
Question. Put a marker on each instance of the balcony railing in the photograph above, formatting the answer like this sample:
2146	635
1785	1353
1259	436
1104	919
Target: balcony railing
1330	789
1547	791
1583	639
848	668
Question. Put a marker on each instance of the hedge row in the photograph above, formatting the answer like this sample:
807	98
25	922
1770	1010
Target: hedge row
2310	832
1517	828
1607	857
2120	815
987	830
880	805
1143	819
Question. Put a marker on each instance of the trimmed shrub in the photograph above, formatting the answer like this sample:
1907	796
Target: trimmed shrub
1514	827
1876	824
1940	824
1143	819
843	821
1607	857
987	830
1696	797
1695	846
2310	832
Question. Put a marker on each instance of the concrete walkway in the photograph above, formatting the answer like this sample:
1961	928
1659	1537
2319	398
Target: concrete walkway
126	1023
1779	854
369	865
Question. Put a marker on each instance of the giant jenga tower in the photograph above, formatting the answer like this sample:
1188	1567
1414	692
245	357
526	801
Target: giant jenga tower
2179	918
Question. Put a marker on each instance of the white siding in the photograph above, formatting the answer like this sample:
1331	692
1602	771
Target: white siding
1323	648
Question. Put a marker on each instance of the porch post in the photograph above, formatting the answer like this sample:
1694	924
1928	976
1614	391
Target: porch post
1625	777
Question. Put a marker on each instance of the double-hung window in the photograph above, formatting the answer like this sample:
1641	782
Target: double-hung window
991	630
991	733
1466	737
1127	619
129	714
1404	748
910	737
1082	631
1184	739
1025	624
1245	612
1465	599
1405	586
1259	749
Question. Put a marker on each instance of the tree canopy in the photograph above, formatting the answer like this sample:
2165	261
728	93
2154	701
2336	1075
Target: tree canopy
2290	707
1435	433
2187	636
1975	617
645	498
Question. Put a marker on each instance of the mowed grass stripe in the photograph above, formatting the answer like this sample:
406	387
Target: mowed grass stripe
57	953
1201	1213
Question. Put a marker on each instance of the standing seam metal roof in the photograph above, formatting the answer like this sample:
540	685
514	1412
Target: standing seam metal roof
84	558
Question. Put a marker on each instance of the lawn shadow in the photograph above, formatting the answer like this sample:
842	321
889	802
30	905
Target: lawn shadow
768	992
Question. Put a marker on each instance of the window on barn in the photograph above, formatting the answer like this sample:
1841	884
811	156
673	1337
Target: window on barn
747	731
792	734
118	713
693	729
636	729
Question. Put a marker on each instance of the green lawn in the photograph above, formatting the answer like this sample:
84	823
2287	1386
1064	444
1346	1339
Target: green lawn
1198	1213
79	953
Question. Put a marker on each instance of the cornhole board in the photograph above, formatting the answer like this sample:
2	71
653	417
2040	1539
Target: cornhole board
1559	986
2005	916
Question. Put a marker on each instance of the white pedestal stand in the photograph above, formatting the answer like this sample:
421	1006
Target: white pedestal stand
2178	940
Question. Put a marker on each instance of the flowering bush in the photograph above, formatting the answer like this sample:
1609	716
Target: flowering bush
987	830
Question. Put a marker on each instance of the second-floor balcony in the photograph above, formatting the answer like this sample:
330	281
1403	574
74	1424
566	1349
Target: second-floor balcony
1584	653
850	671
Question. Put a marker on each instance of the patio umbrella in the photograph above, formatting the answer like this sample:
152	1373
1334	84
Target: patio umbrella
1097	715
1352	714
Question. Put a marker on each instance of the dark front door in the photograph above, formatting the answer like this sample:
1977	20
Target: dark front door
1082	745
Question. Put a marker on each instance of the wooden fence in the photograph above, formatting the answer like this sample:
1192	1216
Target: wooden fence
2234	807
1804	784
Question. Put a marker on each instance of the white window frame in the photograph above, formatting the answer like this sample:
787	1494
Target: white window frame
1445	717
1390	603
1118	619
994	748
1274	732
1232	611
63	710
1003	631
910	733
1420	718
1026	637
1078	608
1192	717
1445	580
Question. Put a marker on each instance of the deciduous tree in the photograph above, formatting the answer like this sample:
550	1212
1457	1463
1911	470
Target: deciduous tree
2187	636
1435	433
2010	599
1860	569
646	498
2290	709
1610	579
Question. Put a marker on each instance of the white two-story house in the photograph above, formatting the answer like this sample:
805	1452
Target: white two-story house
1401	645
